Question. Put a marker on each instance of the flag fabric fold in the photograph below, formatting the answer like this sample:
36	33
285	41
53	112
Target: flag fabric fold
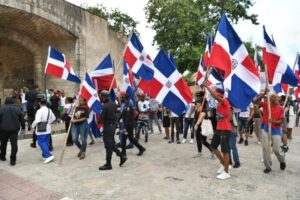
167	85
128	81
92	121
137	58
103	75
90	94
241	76
58	65
278	70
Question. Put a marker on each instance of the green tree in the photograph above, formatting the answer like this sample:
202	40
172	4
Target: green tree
117	20
182	25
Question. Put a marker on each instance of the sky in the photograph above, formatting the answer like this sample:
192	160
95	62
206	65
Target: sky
281	19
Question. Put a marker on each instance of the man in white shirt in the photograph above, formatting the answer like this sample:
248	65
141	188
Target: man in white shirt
143	108
244	123
44	114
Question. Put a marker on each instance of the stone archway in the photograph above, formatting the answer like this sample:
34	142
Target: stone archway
16	65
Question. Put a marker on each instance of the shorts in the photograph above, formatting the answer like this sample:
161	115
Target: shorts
244	124
166	122
24	107
221	137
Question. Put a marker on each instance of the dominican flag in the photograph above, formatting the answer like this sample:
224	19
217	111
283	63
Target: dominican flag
241	76
92	121
278	70
167	86
128	79
103	75
137	58
59	66
207	50
200	73
297	69
90	94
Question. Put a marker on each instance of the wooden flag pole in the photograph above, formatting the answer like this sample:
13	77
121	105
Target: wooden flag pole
269	112
288	90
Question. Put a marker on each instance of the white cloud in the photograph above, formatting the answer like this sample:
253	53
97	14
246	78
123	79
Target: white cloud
281	18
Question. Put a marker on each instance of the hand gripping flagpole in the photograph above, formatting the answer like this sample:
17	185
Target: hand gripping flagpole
120	60
288	90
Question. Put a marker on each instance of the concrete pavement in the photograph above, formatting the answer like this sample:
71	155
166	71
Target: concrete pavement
165	171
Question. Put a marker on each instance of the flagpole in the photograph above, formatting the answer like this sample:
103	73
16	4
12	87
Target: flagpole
269	112
288	90
120	60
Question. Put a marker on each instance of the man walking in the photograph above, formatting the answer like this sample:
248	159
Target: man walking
108	118
128	125
10	120
223	131
277	118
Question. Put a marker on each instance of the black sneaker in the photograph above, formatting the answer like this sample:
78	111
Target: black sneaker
129	147
171	141
3	158
282	166
236	165
33	145
105	167
146	140
246	142
284	148
266	171
241	140
12	163
141	152
178	142
122	160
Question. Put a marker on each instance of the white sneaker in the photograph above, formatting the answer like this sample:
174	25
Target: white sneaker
49	159
183	141
220	170
191	141
223	176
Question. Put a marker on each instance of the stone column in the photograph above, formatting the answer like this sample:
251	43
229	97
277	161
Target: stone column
39	75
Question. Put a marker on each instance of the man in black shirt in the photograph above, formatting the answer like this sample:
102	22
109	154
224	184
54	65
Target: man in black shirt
11	119
108	118
128	125
31	98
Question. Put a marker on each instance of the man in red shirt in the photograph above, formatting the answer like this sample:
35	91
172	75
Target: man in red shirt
223	131
276	120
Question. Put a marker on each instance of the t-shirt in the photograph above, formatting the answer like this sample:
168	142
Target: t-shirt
277	113
224	110
62	101
68	107
143	106
246	113
81	112
189	109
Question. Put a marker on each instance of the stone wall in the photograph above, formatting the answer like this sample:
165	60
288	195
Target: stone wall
84	38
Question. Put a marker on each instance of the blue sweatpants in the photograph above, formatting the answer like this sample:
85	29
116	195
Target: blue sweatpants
44	141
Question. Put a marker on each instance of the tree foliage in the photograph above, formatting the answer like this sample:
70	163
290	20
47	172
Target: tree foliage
182	25
117	20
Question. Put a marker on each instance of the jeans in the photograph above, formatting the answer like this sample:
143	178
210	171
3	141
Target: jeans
188	123
82	130
13	137
175	122
233	148
276	141
150	121
44	141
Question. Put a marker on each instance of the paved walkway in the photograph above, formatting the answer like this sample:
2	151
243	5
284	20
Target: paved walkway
165	171
13	187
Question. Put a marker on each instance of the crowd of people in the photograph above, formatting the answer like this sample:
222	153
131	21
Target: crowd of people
210	115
